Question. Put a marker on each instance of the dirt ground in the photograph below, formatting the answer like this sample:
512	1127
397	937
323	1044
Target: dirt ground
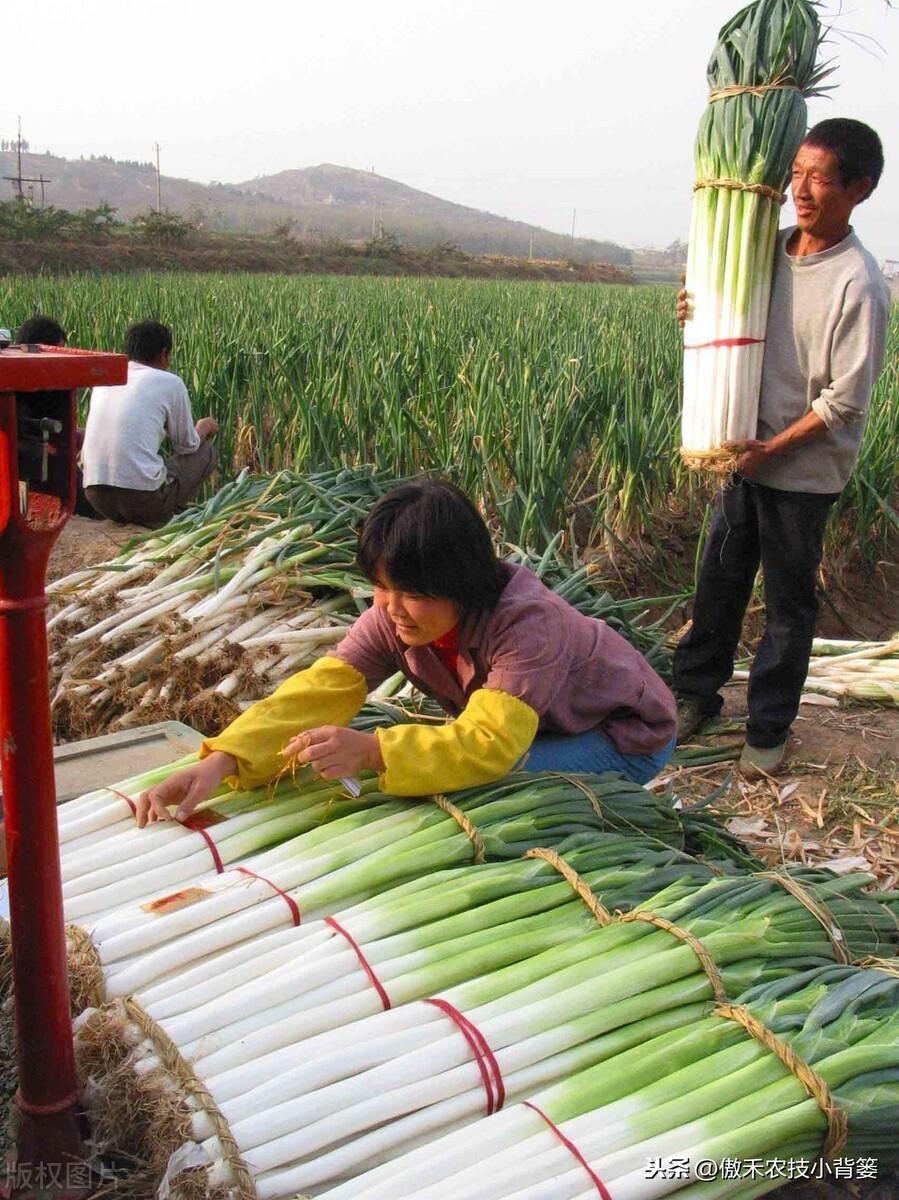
84	542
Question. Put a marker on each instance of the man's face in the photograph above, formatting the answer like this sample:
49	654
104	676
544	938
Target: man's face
823	202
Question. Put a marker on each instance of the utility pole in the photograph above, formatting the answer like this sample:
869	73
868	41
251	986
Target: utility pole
573	223
531	248
158	181
18	179
19	158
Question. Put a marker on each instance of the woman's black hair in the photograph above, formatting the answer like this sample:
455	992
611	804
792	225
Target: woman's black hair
427	538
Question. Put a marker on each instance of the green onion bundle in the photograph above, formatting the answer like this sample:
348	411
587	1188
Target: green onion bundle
446	928
349	851
762	68
707	1090
337	1100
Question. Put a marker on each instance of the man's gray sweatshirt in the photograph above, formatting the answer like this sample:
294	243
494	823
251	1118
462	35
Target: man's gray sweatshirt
824	348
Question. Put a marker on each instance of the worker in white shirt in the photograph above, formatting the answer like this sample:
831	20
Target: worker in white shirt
126	477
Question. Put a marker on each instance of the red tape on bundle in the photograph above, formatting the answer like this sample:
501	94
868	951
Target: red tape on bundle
295	915
213	848
570	1146
363	961
727	342
484	1057
127	799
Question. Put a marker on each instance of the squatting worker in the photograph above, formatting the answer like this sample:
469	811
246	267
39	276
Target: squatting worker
824	347
519	670
125	476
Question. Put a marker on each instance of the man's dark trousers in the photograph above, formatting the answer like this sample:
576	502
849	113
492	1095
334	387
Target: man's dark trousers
783	531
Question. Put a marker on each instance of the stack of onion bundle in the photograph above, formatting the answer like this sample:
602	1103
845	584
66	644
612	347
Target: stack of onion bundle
359	852
712	1089
337	1101
223	603
762	68
230	1012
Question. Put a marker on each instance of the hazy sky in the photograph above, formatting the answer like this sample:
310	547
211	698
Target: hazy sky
527	109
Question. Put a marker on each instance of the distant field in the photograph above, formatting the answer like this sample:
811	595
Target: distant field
547	401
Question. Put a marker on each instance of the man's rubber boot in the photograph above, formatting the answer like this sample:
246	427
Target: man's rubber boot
760	762
691	716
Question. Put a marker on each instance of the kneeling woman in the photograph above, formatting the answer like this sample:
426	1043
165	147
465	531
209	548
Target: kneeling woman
529	681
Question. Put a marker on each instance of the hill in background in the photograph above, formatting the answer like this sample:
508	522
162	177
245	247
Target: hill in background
320	203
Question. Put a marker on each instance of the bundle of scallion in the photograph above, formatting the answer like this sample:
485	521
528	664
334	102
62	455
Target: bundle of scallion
231	1012
338	1100
762	68
378	844
107	862
708	1090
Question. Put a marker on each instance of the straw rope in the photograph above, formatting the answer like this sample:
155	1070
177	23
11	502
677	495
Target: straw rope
173	1062
5	954
477	842
736	185
761	89
837	1118
588	793
872	963
705	959
582	889
818	910
87	985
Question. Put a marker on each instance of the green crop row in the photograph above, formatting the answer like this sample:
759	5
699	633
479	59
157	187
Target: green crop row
557	405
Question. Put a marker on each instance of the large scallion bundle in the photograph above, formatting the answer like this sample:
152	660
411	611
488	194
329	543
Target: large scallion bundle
336	1101
333	1100
708	1090
762	68
331	853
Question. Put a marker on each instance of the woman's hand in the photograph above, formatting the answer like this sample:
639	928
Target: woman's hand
683	308
186	789
334	751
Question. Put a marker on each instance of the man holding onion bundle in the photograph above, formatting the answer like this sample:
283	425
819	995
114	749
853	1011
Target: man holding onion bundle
824	348
527	679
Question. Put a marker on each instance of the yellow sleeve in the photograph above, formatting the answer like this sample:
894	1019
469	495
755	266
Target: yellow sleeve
482	744
330	692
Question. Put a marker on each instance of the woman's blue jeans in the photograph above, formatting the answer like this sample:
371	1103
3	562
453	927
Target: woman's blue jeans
592	753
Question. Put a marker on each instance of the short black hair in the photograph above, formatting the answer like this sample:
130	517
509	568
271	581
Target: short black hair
41	330
429	539
146	340
855	145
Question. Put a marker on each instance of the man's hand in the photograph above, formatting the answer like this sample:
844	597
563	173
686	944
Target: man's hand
207	427
752	453
333	751
186	789
683	308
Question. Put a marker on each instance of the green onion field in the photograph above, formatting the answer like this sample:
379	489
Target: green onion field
547	401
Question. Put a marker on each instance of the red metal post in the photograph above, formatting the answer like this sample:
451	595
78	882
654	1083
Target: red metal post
48	1097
